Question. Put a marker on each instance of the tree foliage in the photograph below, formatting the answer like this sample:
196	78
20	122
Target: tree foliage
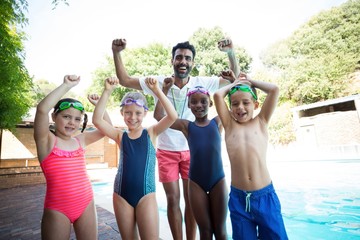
314	63
155	59
319	61
55	3
16	83
209	60
41	88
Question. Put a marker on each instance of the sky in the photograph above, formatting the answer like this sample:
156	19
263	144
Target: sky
76	38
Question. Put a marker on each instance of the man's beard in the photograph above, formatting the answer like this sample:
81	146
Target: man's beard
182	75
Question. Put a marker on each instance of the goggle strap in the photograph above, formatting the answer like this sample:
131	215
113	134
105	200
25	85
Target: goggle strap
66	105
243	88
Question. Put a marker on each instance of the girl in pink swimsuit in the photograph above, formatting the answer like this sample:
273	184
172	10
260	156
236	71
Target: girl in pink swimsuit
69	196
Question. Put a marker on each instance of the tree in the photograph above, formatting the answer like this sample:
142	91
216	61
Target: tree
315	62
319	61
42	88
211	60
154	59
15	80
16	84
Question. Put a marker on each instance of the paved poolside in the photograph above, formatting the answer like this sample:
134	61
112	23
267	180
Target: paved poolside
103	188
21	211
320	200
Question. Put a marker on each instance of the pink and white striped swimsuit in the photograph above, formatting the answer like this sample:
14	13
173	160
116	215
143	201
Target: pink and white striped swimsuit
68	187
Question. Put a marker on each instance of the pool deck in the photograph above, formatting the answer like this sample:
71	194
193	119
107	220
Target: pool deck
21	211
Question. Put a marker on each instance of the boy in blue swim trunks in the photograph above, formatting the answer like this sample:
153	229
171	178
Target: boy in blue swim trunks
254	207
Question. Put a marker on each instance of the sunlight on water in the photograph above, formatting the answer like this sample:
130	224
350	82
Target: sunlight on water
319	199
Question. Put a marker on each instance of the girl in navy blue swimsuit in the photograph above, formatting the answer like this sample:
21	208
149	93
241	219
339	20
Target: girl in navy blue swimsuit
134	195
208	193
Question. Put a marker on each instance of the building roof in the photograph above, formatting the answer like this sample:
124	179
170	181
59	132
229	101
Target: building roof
326	103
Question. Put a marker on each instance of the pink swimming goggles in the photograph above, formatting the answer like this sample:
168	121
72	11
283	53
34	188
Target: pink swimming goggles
197	89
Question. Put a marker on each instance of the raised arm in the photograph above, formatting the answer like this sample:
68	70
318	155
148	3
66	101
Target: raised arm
221	106
171	114
93	136
159	110
228	74
269	105
99	118
226	45
42	134
125	80
159	113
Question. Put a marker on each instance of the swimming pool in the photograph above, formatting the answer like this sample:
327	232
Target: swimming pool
319	199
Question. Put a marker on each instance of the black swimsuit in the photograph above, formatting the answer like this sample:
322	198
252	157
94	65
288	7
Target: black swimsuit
206	168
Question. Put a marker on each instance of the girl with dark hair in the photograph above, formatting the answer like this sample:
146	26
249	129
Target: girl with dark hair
69	196
207	188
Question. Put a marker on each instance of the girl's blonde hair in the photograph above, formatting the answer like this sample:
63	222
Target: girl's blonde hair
134	96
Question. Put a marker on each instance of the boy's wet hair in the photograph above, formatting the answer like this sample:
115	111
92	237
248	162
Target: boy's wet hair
71	100
184	45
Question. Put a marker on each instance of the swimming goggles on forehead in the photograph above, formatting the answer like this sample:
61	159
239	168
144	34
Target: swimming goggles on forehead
199	89
138	102
66	105
243	88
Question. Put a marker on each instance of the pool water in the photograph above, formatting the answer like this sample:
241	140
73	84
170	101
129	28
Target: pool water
319	199
321	214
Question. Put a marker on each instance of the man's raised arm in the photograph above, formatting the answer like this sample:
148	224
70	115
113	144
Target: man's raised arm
124	79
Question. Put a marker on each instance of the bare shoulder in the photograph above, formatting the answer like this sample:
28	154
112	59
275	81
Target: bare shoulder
44	146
